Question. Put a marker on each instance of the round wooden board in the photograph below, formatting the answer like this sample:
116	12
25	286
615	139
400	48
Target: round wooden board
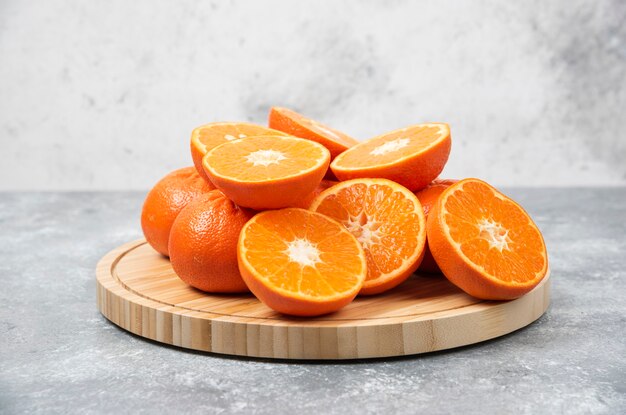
138	290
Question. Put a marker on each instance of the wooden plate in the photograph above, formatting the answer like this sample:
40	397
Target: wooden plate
138	291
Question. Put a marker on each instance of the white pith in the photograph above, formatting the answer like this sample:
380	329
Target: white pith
494	233
265	157
390	146
303	252
232	137
365	230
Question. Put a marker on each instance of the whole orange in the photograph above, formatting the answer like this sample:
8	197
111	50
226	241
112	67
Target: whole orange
427	197
203	243
165	201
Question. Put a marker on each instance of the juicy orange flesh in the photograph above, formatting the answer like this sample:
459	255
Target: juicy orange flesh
524	255
390	147
318	128
267	240
383	220
215	134
264	158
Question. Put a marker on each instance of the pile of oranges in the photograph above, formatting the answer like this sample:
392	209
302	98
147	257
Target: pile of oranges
307	218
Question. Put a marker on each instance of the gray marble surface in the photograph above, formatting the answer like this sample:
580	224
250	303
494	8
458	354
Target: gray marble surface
59	355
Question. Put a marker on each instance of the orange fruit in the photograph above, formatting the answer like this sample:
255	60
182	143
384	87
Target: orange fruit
413	156
165	201
203	243
299	262
298	125
485	243
427	197
306	202
267	172
387	219
211	135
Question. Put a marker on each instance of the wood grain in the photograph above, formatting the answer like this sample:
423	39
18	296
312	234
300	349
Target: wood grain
138	290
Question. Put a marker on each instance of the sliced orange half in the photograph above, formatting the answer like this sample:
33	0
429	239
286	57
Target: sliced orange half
299	262
212	135
485	243
387	219
296	124
267	172
413	156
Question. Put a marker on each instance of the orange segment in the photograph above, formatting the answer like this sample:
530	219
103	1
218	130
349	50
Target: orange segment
485	243
298	125
208	136
387	219
267	172
413	156
299	262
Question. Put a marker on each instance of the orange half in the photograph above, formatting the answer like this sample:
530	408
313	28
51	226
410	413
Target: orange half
299	262
298	125
485	243
413	156
267	172
387	219
208	136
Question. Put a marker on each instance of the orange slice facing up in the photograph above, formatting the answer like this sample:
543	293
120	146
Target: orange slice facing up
387	219
207	136
267	172
298	125
413	156
299	262
485	243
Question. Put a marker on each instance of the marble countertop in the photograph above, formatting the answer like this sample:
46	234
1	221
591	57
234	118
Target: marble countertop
58	354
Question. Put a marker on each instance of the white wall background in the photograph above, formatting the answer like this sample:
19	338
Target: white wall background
104	94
